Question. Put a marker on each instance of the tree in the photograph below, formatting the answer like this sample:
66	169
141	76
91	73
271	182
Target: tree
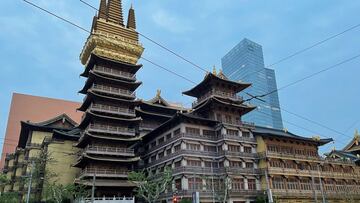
9	197
149	185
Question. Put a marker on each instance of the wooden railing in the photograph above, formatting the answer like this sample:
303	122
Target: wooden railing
111	150
209	170
113	90
103	172
110	129
217	93
115	72
112	109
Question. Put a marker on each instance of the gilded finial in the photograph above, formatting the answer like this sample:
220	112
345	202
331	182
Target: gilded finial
214	70
158	93
356	135
317	137
334	148
285	130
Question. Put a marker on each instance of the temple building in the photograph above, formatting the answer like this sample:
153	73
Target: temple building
45	149
209	147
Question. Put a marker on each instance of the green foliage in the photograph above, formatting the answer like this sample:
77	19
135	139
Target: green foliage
261	199
149	185
185	200
10	197
58	193
4	180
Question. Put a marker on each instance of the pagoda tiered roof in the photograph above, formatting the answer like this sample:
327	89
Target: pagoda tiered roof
211	79
284	134
84	158
88	117
96	78
245	108
92	95
84	139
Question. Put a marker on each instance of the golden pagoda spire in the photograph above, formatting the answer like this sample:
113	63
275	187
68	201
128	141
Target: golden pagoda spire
102	9
114	11
356	134
158	93
131	23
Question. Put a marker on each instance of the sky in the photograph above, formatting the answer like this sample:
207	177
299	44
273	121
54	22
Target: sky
40	54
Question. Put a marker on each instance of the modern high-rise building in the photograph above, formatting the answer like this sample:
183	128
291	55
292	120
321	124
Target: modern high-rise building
245	62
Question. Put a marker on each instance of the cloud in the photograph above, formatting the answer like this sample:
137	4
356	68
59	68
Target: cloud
170	22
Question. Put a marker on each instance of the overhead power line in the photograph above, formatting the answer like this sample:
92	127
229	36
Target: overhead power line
155	42
310	76
301	50
179	75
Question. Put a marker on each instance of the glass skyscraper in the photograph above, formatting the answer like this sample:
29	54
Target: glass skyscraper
246	62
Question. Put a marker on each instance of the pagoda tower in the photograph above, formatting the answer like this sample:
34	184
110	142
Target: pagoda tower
109	124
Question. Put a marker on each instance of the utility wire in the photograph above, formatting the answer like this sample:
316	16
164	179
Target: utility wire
310	76
302	50
352	125
82	28
189	79
154	42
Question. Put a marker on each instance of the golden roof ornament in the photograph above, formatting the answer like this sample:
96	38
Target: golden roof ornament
334	148
158	93
356	135
285	130
317	137
214	70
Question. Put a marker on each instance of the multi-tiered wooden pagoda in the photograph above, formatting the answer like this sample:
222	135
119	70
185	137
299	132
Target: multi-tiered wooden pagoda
109	125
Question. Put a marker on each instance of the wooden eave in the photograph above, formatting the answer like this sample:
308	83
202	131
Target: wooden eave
89	115
245	108
83	141
98	60
280	134
211	79
107	183
91	96
150	114
94	77
88	158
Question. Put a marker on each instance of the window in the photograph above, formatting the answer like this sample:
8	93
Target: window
177	131
168	136
236	164
177	148
192	131
195	147
238	184
232	132
249	165
278	183
161	155
168	152
219	117
208	132
208	148
153	144
178	164
195	184
246	134
161	140
251	184
247	149
178	184
292	184
193	163
234	148
228	119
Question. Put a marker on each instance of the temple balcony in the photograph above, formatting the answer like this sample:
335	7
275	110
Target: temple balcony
217	93
112	109
103	172
214	170
114	91
240	154
339	191
109	200
114	72
148	126
114	151
238	138
287	155
108	129
307	172
209	194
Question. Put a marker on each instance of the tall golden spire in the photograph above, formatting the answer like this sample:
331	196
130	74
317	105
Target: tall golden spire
114	11
102	10
131	23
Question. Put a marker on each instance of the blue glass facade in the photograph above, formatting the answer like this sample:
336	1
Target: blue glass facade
246	62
